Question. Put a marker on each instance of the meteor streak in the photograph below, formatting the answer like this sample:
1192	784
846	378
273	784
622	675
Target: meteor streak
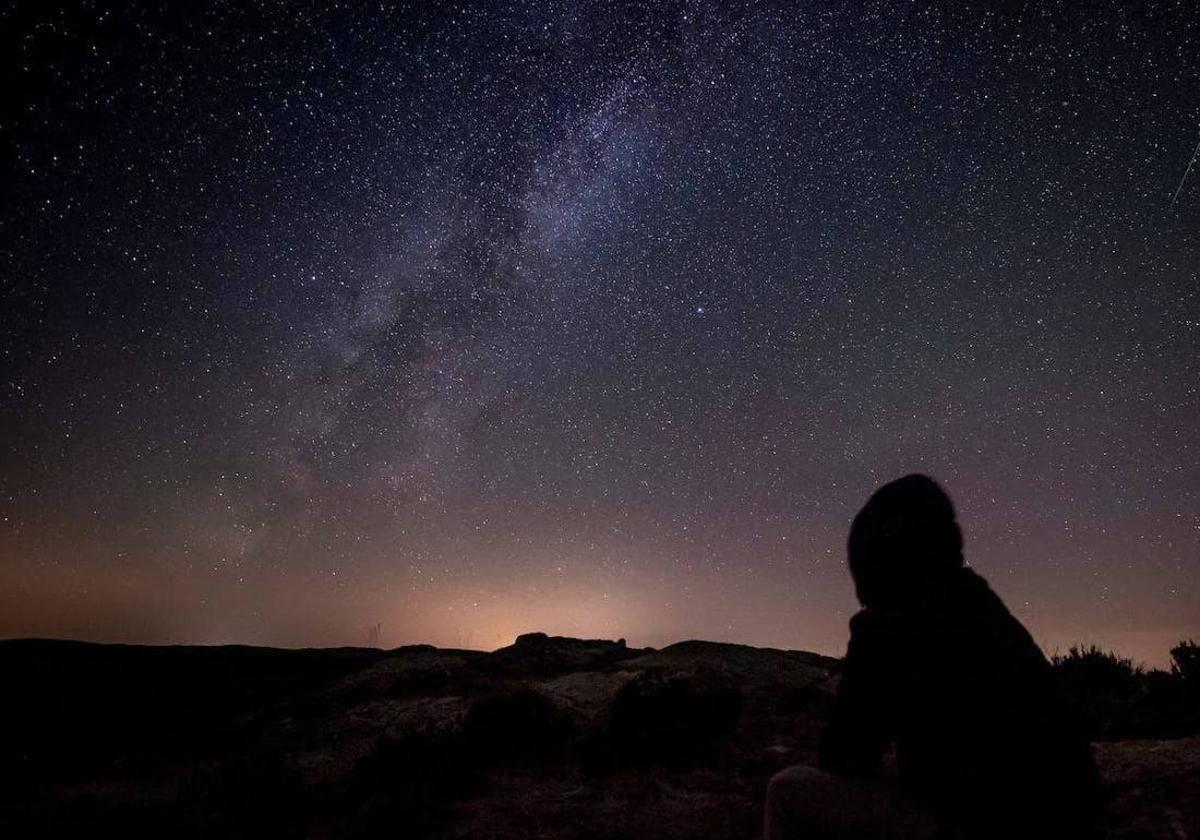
1175	197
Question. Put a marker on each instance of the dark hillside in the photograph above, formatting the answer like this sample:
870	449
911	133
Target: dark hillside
549	737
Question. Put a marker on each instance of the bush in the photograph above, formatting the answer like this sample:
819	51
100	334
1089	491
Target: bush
667	720
423	682
412	782
810	699
516	725
1185	662
256	793
1098	670
1117	699
415	780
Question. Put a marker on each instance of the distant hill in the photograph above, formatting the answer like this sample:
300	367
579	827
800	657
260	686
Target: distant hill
550	737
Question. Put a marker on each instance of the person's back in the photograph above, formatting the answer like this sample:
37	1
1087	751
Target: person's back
968	699
939	667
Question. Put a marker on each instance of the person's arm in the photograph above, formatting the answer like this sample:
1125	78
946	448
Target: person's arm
861	729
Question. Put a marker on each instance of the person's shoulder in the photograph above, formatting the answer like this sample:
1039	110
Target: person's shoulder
985	606
966	576
969	583
973	596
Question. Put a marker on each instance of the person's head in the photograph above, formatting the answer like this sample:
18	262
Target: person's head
904	534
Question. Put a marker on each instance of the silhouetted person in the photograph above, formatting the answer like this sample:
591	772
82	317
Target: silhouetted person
937	666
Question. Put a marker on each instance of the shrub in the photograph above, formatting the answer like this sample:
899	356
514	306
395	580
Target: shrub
1116	699
1103	687
805	699
516	725
1185	662
423	682
412	782
257	792
1099	670
667	720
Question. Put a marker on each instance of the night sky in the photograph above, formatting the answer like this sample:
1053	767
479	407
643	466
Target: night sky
600	319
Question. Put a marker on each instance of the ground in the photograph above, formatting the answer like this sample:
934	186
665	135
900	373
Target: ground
549	738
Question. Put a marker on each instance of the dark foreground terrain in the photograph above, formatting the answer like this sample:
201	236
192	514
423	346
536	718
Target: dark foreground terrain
549	738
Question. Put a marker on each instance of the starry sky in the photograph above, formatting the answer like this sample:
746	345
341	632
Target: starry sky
597	318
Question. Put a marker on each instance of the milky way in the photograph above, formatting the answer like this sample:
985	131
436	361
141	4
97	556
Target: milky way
599	318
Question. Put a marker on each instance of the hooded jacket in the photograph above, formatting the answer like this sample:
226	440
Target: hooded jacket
945	672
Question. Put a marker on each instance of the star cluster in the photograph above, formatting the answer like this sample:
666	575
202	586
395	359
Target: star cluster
596	318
